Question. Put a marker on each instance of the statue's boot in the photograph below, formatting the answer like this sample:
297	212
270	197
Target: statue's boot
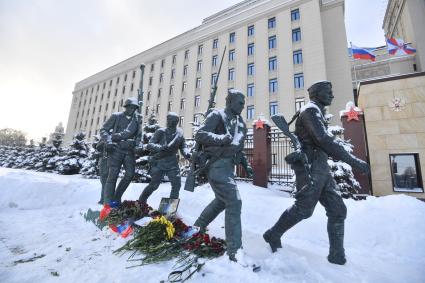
336	242
272	236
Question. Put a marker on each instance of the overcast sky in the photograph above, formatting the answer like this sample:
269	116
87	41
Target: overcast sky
46	46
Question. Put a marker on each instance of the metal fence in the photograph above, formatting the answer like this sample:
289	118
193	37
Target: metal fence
249	152
281	172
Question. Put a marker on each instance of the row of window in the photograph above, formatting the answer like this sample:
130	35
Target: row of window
271	23
297	59
273	83
273	108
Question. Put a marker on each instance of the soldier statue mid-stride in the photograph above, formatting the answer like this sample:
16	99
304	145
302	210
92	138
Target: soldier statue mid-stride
163	161
316	184
119	135
222	139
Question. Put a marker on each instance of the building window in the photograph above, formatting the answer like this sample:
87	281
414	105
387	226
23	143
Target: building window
196	120
250	49
170	104
214	79
157	108
200	49
150	81
215	43
186	54
214	60
198	82
273	108
273	86
181	122
272	64
134	75
272	23
406	173
159	92
250	112
123	89
131	87
182	103
199	66
299	80
251	69
185	70
251	30
149	95
295	15
104	84
184	86
299	102
146	111
161	77
231	74
162	63
296	35
152	67
116	92
174	59
113	105
250	90
231	55
173	73
197	101
272	42
298	57
232	37
110	83
171	90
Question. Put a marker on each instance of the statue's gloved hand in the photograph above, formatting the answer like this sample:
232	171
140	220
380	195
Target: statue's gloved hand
362	166
226	139
116	137
110	147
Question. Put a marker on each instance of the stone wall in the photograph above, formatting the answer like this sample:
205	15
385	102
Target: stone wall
393	132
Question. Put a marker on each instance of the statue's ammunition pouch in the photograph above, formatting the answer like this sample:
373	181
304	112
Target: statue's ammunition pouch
127	144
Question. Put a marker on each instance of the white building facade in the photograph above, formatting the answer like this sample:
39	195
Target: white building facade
275	50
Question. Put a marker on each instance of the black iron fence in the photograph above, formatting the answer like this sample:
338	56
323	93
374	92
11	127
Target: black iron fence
280	172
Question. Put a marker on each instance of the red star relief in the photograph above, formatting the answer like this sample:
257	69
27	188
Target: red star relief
352	115
259	124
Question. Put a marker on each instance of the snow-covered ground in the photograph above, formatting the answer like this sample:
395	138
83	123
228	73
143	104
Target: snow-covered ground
40	214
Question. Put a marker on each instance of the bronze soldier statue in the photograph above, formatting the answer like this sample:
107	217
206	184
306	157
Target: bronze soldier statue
315	184
164	160
222	139
119	133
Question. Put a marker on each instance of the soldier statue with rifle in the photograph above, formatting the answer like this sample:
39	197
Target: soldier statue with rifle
163	147
221	139
314	182
119	135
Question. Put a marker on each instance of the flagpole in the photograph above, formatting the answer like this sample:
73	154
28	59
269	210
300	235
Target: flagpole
354	63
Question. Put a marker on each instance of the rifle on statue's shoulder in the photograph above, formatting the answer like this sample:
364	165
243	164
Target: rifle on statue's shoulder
298	156
198	159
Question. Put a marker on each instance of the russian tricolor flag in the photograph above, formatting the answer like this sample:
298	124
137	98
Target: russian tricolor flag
398	47
362	53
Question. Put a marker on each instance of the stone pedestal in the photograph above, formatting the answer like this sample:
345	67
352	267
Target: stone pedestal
354	130
261	154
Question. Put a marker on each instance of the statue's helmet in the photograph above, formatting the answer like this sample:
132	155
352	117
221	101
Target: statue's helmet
131	101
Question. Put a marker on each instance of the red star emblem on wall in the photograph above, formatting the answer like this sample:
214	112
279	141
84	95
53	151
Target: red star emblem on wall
352	115
259	124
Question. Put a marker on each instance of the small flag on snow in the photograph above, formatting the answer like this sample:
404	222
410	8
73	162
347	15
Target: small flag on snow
399	47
